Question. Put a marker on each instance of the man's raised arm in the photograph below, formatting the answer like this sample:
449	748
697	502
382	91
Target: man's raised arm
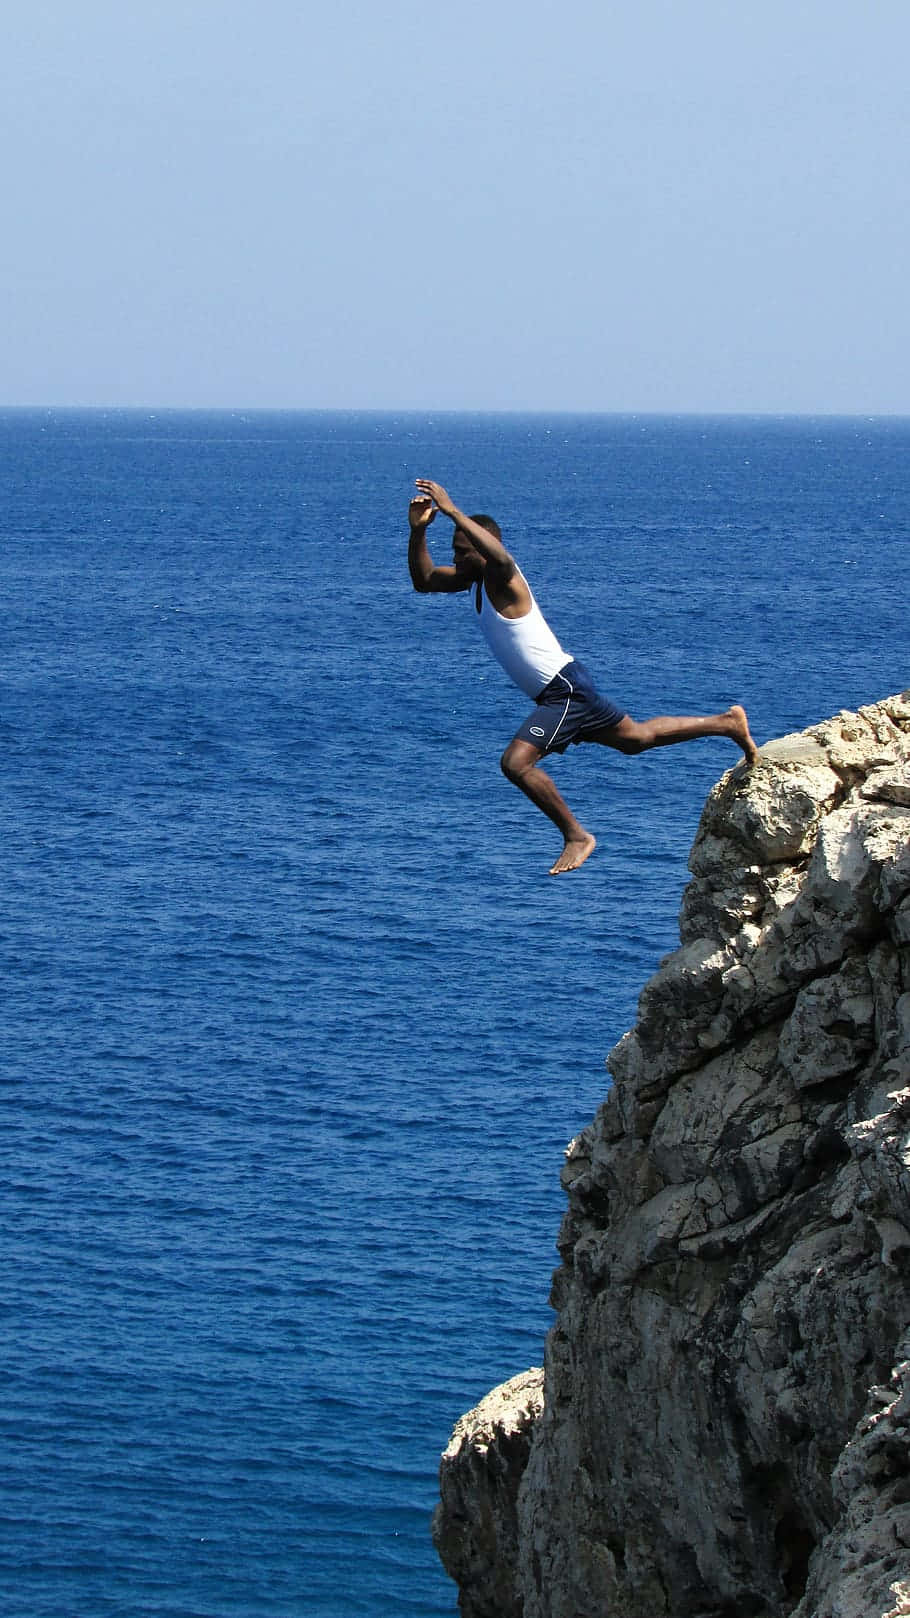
490	548
425	575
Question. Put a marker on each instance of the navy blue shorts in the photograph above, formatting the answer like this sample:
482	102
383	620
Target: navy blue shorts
569	709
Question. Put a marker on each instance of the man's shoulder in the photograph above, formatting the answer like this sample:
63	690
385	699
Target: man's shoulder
508	588
503	573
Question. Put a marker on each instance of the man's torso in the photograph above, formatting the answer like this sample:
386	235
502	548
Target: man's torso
526	647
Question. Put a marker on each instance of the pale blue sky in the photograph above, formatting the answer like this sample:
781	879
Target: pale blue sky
654	205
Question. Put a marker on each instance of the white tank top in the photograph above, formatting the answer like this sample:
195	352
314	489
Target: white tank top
526	647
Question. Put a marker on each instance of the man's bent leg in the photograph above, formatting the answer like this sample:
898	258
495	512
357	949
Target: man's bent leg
519	763
638	736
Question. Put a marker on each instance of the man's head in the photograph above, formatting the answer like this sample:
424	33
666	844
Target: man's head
467	558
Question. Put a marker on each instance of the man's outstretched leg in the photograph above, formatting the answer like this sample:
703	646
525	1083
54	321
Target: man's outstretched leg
519	763
638	736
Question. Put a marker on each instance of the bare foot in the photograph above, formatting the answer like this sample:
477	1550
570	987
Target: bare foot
574	854
739	732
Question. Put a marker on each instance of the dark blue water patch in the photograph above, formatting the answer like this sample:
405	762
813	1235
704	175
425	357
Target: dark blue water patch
295	1024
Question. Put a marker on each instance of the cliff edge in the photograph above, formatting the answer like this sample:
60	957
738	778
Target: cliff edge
722	1427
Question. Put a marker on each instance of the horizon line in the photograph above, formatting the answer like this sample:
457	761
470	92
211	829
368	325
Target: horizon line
460	410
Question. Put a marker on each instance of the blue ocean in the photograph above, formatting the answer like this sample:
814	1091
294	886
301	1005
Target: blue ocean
295	1026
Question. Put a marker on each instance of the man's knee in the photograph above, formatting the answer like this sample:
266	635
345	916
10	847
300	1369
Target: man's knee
631	737
518	758
635	744
509	766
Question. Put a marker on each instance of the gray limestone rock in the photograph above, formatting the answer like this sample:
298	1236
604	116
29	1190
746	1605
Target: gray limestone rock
475	1525
725	1428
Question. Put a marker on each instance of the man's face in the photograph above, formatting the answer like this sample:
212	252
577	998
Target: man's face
468	561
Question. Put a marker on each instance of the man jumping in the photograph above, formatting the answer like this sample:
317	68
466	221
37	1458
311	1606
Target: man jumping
568	706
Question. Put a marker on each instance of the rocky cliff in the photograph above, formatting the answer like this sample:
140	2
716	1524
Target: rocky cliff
722	1426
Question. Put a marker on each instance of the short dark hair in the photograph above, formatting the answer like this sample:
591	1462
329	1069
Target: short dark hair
489	523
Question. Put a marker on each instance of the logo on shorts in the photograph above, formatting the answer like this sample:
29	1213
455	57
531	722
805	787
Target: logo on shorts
536	731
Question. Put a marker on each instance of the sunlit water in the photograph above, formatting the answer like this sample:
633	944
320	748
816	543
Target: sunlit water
295	1027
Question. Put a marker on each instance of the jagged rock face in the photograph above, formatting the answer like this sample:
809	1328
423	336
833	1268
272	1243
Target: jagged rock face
726	1426
475	1525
